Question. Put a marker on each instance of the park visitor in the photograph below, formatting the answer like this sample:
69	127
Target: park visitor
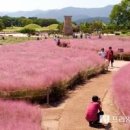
110	56
94	111
58	41
102	53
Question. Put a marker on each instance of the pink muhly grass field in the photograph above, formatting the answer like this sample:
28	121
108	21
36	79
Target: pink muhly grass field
96	44
19	116
39	64
121	89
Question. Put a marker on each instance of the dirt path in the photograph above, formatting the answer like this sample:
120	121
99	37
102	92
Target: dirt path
69	115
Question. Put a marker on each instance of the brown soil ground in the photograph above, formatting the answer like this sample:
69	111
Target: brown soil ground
70	114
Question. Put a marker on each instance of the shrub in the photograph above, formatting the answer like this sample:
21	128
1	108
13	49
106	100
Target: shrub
19	116
121	89
28	31
124	31
117	33
40	65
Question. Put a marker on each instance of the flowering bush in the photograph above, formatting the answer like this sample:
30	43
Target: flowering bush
37	65
96	44
19	116
121	89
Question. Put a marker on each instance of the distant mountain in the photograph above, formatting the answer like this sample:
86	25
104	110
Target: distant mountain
103	19
22	13
77	13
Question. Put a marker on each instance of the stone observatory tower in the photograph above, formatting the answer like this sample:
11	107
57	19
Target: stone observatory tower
67	29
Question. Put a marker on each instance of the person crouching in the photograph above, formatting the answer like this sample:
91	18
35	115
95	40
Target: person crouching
94	111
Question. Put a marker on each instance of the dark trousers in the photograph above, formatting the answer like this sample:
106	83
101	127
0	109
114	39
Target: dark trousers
98	115
98	118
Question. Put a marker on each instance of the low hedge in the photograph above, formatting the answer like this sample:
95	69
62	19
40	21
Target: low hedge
57	90
123	56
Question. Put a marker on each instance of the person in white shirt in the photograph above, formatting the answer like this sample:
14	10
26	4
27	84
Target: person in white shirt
102	53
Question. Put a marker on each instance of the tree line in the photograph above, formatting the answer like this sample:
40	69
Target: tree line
120	15
7	21
119	20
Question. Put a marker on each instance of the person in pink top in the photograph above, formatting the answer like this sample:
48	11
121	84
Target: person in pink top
93	111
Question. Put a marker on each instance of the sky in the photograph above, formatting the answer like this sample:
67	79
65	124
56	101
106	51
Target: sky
29	5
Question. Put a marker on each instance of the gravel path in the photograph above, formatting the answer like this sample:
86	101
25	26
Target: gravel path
69	115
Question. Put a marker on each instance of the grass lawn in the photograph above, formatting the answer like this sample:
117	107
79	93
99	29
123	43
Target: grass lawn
13	40
12	29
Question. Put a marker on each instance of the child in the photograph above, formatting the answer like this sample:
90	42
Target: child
93	111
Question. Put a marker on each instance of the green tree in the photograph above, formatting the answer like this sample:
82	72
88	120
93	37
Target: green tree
85	27
120	14
45	22
24	21
1	25
60	27
75	27
7	21
28	31
97	26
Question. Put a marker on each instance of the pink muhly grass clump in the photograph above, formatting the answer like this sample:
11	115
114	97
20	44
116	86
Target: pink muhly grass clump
121	89
19	116
96	44
39	64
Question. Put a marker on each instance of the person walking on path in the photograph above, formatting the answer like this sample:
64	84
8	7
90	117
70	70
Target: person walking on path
110	56
102	53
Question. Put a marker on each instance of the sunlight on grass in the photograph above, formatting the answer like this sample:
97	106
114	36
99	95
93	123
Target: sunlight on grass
14	40
12	29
